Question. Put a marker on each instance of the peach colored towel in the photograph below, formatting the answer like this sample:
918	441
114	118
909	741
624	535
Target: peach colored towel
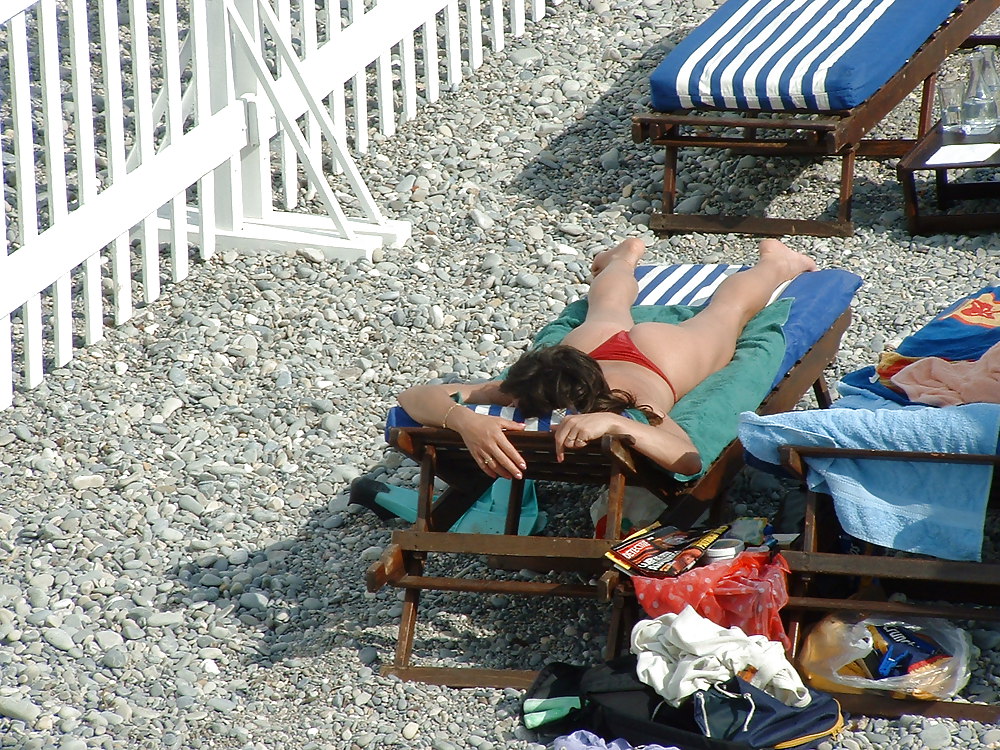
938	382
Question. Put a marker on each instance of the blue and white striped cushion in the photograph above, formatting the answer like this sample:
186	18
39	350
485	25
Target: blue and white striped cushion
531	424
786	55
682	284
397	417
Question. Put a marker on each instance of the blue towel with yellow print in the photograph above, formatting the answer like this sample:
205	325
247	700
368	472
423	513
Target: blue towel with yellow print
962	331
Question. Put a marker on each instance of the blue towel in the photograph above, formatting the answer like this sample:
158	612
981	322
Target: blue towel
930	508
965	330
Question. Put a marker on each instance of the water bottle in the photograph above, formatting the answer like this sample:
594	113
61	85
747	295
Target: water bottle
979	106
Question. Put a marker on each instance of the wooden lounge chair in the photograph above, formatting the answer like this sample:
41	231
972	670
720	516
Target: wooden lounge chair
944	588
753	80
917	479
819	315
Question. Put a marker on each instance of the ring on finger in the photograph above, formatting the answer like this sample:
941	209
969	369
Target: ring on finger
487	460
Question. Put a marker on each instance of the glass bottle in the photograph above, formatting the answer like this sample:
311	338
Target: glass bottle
979	106
992	74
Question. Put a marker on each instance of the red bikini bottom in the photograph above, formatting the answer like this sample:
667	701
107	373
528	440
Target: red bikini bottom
621	348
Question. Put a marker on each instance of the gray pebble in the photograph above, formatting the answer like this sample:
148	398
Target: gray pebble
936	736
19	709
254	600
991	736
60	639
571	229
482	220
115	658
525	56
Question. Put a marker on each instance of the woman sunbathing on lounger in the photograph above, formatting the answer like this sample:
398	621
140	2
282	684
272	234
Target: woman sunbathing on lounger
608	364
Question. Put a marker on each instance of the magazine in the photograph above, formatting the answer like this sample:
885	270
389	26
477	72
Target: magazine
662	551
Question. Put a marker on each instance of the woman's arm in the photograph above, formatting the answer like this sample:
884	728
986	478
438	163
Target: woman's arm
430	403
434	406
666	444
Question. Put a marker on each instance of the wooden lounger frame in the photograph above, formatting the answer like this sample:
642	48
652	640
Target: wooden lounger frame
815	133
939	580
957	583
611	462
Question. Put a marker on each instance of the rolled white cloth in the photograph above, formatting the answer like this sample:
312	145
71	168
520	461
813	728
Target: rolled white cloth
679	654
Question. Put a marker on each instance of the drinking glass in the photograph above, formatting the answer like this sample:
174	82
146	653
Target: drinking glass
950	94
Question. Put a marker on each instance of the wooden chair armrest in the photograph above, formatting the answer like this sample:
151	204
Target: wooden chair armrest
792	456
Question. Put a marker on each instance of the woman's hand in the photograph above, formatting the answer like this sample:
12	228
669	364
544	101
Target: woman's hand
577	430
667	443
484	437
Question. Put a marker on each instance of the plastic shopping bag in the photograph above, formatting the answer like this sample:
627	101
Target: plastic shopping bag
747	592
918	658
640	508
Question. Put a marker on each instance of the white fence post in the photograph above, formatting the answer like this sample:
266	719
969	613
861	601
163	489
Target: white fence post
174	110
86	170
219	65
453	45
6	345
114	110
142	99
474	18
203	109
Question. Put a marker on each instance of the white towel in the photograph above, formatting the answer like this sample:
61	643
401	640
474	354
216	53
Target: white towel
679	654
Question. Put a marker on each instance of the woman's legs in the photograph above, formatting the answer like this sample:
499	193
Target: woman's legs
743	295
691	351
612	292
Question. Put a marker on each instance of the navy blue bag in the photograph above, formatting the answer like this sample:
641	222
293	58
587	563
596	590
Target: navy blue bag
737	711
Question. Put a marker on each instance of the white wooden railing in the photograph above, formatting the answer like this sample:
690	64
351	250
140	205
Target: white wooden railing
135	134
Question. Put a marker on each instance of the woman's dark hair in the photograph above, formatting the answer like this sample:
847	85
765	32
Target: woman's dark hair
563	377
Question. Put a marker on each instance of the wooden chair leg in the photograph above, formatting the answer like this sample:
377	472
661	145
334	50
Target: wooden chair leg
941	189
512	521
821	390
846	184
810	532
408	618
801	583
624	615
616	502
926	118
794	619
669	180
425	493
407	629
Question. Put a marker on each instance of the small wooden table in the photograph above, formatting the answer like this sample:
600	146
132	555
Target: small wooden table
948	192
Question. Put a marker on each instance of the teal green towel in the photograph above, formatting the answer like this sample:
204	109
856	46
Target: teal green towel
541	711
709	414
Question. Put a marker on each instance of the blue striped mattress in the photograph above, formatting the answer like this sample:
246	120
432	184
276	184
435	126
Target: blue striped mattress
787	55
818	299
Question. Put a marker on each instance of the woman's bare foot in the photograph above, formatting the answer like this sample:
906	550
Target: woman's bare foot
794	263
630	250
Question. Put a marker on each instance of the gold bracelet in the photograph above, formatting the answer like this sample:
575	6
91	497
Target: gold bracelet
444	422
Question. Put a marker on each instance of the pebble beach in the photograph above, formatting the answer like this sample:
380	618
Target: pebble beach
179	564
